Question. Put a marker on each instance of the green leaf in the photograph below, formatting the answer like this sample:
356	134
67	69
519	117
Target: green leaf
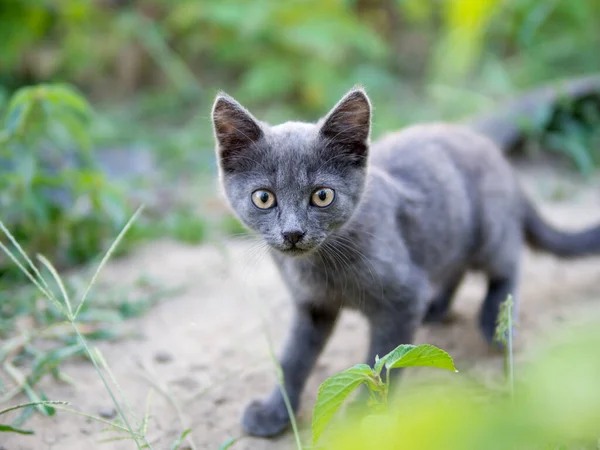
22	96
25	414
420	355
379	363
67	96
70	126
332	394
119	438
50	411
9	429
53	359
228	443
175	445
16	117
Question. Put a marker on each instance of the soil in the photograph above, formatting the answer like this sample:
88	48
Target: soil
207	345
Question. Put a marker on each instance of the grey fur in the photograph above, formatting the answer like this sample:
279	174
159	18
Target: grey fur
433	202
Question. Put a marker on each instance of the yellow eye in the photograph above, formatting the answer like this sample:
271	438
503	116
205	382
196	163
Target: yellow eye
322	197
263	199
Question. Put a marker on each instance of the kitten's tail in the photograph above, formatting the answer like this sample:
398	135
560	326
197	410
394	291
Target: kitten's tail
542	236
507	125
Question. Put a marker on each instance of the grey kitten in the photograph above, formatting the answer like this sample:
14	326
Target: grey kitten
389	228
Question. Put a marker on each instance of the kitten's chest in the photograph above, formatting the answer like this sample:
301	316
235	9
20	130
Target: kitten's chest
325	279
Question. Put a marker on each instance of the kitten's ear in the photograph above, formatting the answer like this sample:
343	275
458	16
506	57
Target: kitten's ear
236	130
348	124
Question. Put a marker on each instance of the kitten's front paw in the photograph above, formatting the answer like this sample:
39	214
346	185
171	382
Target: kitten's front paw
265	418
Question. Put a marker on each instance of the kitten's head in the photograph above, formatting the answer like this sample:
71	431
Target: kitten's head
294	183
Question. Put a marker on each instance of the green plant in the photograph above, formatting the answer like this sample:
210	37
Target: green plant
63	303
297	57
36	341
336	389
58	295
296	48
52	194
504	335
556	407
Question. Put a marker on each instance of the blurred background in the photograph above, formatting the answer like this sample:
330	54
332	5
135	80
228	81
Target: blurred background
105	103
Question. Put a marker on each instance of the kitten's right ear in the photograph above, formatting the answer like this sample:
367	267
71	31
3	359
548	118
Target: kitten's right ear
235	130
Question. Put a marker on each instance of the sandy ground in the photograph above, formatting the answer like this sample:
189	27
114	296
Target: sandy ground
208	344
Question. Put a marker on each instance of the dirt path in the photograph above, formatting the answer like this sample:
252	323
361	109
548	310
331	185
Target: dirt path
214	333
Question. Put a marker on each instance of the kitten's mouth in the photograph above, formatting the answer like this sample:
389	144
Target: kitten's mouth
295	251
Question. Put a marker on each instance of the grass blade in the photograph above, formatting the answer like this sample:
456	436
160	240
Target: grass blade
106	258
150	376
180	439
106	386
113	379
144	427
25	405
9	429
44	291
112	425
60	284
286	398
24	255
227	444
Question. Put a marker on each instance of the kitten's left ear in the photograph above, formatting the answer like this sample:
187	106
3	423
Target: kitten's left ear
348	124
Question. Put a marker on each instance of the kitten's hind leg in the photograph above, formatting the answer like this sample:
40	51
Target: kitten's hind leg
440	305
310	330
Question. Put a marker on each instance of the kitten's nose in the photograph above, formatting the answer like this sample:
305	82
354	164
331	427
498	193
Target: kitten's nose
293	237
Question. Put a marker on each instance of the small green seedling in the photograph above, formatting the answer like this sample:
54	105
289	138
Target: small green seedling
504	335
335	390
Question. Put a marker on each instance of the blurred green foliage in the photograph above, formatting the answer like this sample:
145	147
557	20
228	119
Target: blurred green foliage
154	65
294	49
556	407
53	196
418	59
152	68
301	52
